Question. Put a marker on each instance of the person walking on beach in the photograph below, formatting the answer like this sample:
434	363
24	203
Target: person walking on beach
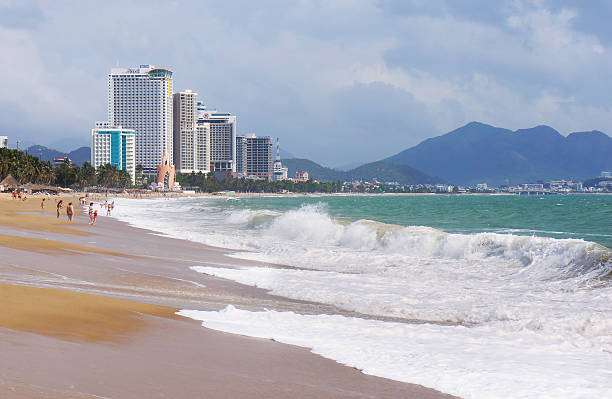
59	207
95	216
90	212
42	204
70	211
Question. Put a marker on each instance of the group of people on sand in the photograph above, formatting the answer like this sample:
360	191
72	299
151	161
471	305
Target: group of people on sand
17	195
60	205
93	213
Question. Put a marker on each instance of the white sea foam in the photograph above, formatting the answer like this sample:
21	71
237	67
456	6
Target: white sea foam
545	301
478	362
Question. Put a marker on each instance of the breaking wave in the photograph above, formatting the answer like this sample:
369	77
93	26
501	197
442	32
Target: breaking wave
543	258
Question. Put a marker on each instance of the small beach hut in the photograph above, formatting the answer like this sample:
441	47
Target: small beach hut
37	188
9	183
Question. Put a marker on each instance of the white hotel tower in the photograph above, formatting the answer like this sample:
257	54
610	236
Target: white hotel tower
141	99
191	139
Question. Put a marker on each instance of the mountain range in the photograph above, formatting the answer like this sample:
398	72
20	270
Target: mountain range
474	153
480	153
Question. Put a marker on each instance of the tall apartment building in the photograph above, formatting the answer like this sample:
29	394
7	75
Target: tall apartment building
3	141
259	157
222	129
191	137
241	155
141	99
114	145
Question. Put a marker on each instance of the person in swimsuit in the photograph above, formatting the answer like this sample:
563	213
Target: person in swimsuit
59	207
70	211
90	212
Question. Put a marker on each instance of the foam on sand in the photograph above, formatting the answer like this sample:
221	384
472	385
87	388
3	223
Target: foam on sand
477	362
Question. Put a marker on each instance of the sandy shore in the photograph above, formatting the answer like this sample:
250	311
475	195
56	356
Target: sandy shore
88	312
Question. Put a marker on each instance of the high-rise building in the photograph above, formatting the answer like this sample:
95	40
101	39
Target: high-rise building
259	157
141	99
3	141
191	138
114	145
241	155
222	129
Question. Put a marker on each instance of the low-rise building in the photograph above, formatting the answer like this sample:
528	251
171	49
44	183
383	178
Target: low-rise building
60	161
301	175
114	145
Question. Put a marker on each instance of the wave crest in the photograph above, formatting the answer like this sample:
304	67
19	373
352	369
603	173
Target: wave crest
542	257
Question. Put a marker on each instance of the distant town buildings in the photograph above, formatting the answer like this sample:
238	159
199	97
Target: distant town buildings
141	99
3	141
162	131
114	145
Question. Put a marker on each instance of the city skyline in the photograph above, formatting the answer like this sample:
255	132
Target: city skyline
320	76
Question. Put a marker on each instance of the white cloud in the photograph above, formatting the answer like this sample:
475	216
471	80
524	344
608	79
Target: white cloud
291	60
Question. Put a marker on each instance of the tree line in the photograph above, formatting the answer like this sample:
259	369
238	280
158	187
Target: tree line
29	169
208	183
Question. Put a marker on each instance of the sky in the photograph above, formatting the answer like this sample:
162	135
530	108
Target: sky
339	82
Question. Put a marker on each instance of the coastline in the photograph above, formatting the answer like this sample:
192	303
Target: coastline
160	354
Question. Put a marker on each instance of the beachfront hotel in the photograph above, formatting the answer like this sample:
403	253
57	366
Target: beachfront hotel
114	145
259	157
191	137
222	132
141	99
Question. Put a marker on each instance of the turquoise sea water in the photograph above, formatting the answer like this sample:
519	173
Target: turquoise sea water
560	216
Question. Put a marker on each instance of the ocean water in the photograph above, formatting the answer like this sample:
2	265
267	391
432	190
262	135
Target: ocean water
477	296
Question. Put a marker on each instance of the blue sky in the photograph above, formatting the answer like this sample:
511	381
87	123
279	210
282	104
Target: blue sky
338	81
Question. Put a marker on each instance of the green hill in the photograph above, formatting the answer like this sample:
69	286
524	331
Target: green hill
381	171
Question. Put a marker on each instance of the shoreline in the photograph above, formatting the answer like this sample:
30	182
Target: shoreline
152	272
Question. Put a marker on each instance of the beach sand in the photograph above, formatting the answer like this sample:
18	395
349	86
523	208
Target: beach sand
88	312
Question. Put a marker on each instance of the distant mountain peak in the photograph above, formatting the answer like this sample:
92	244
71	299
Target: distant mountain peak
481	153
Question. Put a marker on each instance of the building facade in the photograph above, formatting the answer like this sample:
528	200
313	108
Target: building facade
191	137
259	157
3	141
141	99
241	156
114	145
280	172
222	129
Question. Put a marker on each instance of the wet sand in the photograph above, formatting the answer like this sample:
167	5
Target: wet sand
103	325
